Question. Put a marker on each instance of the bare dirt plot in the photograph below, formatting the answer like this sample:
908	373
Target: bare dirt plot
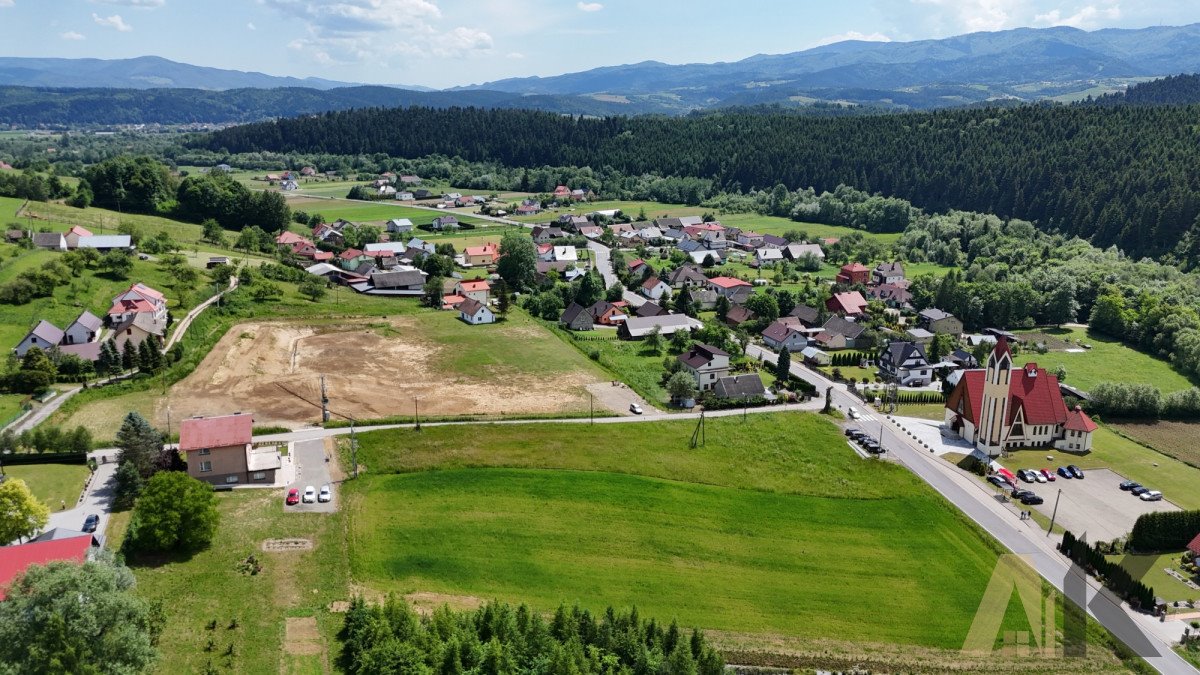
301	636
274	370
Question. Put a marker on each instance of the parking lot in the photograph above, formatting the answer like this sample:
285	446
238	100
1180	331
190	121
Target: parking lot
312	469
1095	505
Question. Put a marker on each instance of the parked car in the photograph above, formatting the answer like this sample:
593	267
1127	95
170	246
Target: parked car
1076	472
1065	472
1000	482
1048	474
1031	499
1018	493
1026	475
91	523
635	409
1037	475
1150	496
293	497
1129	485
851	432
310	494
1138	491
324	495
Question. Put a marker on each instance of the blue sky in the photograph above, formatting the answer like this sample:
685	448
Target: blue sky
450	42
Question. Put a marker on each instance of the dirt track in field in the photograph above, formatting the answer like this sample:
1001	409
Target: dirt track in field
273	370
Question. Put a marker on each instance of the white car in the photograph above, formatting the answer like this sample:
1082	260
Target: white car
635	409
310	494
324	495
853	413
1150	496
1037	475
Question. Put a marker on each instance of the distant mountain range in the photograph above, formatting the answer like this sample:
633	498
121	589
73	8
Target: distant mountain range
145	72
1024	63
1005	67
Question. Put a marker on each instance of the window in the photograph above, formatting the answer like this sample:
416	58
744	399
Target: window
259	475
204	451
231	479
205	467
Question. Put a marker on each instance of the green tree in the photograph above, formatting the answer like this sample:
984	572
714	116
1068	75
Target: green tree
21	514
615	292
117	264
518	260
591	289
174	513
1061	304
723	307
140	445
66	617
764	306
654	340
681	386
212	231
783	366
312	288
503	298
432	296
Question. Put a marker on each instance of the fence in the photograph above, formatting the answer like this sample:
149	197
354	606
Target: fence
24	458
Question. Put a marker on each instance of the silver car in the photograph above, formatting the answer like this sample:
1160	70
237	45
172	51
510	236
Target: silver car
310	494
324	495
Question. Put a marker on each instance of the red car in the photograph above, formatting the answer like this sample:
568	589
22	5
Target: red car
293	497
1048	474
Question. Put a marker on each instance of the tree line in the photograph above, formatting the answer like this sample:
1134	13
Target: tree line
1117	175
390	637
1092	558
1164	531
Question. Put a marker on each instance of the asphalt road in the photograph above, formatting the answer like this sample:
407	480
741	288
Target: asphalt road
312	469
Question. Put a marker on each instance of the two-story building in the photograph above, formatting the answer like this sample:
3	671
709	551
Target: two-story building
905	363
220	451
939	322
706	363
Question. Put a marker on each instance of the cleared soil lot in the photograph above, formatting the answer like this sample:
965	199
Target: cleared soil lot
1094	506
375	369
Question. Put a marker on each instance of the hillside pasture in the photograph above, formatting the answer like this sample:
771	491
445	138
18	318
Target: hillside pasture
1091	358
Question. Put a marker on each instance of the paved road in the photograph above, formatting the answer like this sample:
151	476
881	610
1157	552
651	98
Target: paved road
312	469
98	499
602	256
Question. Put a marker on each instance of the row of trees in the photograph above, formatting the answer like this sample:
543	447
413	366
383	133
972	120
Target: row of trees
1125	400
1117	578
497	638
1164	531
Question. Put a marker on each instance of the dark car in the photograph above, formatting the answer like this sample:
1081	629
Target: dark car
1065	472
91	523
1076	472
1031	499
851	432
1000	482
1129	485
1018	493
1138	490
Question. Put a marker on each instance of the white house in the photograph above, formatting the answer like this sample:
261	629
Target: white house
779	336
655	288
565	254
706	363
84	329
399	225
768	256
43	336
475	312
906	364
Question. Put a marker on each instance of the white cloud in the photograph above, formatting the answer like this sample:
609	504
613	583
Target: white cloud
114	21
852	35
141	4
345	32
251	26
980	15
514	55
589	6
71	35
6	3
1089	16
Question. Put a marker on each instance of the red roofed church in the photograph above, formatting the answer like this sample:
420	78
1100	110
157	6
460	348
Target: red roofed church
1002	407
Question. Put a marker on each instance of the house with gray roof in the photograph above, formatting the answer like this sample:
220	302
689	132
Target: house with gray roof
906	364
706	363
850	331
44	336
53	241
937	321
84	329
107	242
576	317
638	327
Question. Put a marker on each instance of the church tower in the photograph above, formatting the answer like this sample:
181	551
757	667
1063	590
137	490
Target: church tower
993	428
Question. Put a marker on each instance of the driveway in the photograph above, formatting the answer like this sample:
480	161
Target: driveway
312	469
98	499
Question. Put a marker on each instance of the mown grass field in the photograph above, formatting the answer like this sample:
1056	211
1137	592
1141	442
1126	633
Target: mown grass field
630	360
1108	360
1176	480
208	586
774	528
381	211
1165	586
52	484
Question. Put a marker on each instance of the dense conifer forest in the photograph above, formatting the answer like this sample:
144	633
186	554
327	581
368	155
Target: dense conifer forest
1115	175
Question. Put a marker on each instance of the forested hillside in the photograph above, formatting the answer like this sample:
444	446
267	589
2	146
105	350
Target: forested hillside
1115	175
1173	90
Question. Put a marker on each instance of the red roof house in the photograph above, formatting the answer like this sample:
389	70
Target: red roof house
854	273
1194	545
14	560
847	304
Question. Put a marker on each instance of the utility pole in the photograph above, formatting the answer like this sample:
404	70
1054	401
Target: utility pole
168	424
1055	514
353	448
325	403
591	408
416	414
